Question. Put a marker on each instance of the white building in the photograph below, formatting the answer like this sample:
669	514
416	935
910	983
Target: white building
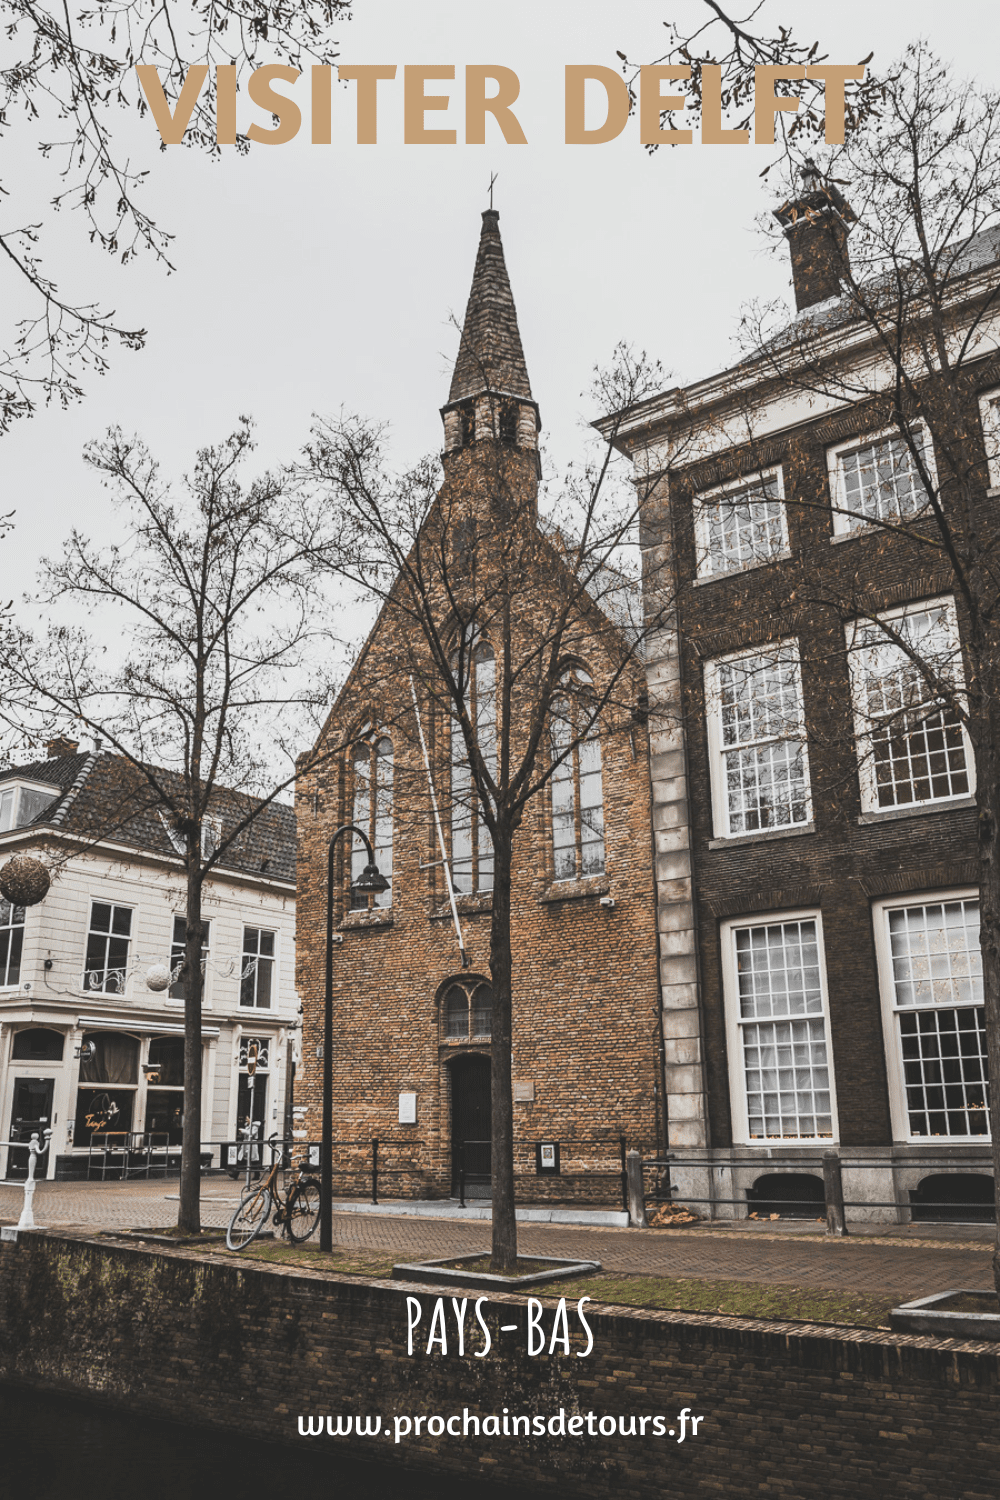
86	1045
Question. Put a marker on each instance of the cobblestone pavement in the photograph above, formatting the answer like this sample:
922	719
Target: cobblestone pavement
863	1264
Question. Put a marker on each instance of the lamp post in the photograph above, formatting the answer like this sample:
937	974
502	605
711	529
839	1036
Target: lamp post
370	882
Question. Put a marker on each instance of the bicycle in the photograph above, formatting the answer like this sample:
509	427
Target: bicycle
296	1208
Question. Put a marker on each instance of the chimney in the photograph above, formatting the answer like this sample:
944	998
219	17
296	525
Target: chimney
816	226
61	746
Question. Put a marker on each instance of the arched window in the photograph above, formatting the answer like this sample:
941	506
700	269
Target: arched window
577	793
471	845
468	1009
372	768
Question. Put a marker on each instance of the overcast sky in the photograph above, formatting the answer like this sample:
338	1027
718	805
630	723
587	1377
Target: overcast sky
312	278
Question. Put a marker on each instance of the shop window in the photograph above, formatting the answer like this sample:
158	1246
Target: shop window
109	1079
165	1088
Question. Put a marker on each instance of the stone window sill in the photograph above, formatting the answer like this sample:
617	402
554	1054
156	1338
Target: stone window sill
762	562
575	890
380	917
466	906
763	836
891	814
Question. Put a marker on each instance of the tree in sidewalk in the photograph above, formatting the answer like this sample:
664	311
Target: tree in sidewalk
899	326
68	73
493	612
218	607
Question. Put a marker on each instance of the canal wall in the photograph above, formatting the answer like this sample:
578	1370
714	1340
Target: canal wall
791	1410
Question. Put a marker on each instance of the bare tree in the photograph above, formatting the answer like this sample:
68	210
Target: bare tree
732	47
899	285
70	71
490	610
219	607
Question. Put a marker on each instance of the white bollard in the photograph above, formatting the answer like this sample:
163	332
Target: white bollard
27	1219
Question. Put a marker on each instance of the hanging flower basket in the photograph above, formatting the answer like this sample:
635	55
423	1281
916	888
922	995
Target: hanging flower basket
24	880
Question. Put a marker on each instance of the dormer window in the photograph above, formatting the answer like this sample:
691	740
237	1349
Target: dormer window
21	804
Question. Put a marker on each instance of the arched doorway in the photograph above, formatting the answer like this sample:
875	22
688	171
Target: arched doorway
470	1125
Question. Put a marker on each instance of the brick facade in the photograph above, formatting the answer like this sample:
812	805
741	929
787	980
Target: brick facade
837	866
585	1026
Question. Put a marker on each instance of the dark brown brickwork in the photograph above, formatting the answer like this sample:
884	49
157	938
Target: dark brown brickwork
845	864
789	1409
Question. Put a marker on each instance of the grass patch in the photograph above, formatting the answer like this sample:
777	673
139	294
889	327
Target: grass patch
736	1299
353	1263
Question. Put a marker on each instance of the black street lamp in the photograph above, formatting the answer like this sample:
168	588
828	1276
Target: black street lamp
370	882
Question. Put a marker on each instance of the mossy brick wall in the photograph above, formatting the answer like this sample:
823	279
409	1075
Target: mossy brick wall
585	1020
790	1410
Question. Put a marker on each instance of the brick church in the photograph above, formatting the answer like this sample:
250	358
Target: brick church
412	979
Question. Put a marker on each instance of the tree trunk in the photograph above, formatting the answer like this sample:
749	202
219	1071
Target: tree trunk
988	804
504	1221
189	1213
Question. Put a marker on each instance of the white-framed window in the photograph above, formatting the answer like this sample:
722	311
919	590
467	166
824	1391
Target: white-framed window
176	991
989	416
577	790
109	940
931	978
912	747
21	803
781	1078
757	740
471	844
372	771
740	525
11	943
257	969
874	478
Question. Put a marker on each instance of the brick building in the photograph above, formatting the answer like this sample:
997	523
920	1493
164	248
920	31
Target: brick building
94	969
411	1057
815	823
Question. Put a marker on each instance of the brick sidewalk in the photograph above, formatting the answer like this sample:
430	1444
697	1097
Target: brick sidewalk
863	1264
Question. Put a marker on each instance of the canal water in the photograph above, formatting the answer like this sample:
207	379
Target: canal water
55	1448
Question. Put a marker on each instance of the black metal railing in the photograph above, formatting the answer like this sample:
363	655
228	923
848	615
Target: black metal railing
831	1202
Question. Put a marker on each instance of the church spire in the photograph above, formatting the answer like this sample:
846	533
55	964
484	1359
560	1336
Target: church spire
490	391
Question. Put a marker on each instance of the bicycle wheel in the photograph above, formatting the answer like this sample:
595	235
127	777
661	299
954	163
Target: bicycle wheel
250	1218
303	1209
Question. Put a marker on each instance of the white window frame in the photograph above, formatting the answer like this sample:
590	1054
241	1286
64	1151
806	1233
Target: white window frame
255	1009
175	917
863	725
735	1025
703	502
847	524
11	927
899	1111
718	750
132	941
18	787
989	417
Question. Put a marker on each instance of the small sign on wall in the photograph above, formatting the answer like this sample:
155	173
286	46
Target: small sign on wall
524	1091
547	1158
313	1156
407	1109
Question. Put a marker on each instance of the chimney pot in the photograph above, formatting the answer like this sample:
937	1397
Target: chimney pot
61	745
816	226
